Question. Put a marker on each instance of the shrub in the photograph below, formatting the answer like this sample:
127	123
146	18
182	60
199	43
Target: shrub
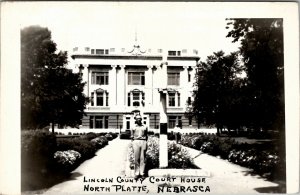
86	148
37	149
89	136
67	160
152	153
179	157
100	142
109	137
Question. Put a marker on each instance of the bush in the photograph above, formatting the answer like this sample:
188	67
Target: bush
109	137
179	157
152	153
67	160
37	149
262	158
100	142
86	148
89	136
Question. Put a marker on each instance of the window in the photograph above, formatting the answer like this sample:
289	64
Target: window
102	99
106	51
107	96
92	51
172	53
173	120
136	78
136	98
184	51
171	99
87	49
100	78
189	77
159	50
99	122
100	51
128	99
112	49
75	49
92	99
173	78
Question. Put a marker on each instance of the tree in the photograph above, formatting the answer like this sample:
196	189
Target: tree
50	93
216	80
262	51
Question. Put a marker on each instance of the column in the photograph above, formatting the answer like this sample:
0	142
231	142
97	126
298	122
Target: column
149	87
156	82
163	140
104	98
184	83
85	78
121	95
113	86
176	99
131	98
95	95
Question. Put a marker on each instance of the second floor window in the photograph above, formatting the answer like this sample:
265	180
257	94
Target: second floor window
136	78
172	100
101	98
135	98
173	78
100	78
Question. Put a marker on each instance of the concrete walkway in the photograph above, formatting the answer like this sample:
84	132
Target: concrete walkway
226	177
110	163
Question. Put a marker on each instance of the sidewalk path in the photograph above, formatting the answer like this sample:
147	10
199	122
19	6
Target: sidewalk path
111	162
230	178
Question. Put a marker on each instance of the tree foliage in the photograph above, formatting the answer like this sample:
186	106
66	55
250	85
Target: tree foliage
50	93
217	83
262	51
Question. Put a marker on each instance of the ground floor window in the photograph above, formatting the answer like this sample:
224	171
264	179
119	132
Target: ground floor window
99	122
173	120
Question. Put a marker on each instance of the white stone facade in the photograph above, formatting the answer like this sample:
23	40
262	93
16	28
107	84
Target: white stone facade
120	83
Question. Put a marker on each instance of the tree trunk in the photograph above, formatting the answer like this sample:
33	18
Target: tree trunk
52	126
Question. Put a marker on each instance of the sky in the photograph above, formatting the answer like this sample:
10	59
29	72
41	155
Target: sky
185	25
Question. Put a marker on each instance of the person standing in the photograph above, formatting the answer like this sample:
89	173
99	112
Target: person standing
139	139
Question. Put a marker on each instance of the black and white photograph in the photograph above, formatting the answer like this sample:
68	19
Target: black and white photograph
150	97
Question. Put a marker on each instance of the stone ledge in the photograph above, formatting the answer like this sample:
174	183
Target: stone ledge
179	172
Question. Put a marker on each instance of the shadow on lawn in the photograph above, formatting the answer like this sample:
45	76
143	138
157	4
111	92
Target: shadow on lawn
35	182
281	188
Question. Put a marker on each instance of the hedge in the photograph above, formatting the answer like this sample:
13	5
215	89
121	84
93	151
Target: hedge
263	159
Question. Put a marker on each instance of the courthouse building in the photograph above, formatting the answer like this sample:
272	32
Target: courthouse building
122	81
